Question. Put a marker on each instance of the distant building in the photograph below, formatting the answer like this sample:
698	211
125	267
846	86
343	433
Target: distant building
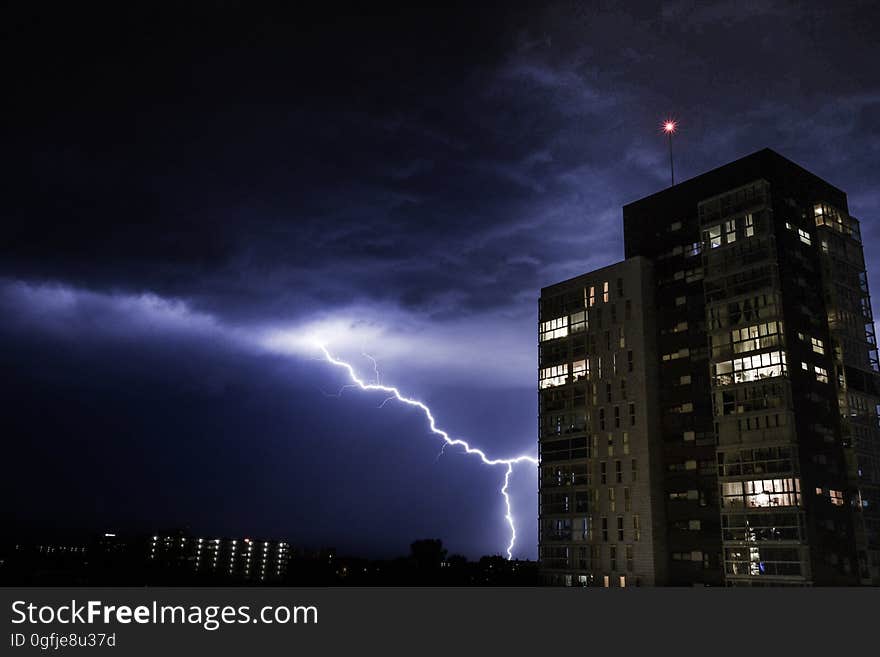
233	558
708	407
169	558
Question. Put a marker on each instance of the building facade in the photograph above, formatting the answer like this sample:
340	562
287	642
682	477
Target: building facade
766	367
600	519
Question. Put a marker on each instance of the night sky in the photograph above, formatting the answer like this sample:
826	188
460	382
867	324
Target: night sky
192	193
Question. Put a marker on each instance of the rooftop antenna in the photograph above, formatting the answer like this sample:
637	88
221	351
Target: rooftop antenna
669	127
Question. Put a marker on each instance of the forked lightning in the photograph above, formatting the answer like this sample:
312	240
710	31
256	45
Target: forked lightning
448	440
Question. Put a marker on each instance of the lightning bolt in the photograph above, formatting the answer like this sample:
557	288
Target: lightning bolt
375	365
395	394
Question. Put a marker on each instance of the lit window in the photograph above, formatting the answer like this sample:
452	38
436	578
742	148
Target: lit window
553	376
818	345
605	291
753	338
578	321
554	328
821	374
836	497
749	225
592	296
684	352
749	368
805	237
761	493
730	231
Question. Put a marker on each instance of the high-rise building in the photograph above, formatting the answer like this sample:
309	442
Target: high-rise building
600	506
743	316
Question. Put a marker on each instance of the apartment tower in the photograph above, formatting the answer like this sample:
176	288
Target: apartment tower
739	330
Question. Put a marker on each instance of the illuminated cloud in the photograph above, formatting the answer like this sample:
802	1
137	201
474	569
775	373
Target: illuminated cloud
71	312
401	341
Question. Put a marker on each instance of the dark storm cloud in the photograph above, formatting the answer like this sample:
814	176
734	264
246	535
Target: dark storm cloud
416	174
